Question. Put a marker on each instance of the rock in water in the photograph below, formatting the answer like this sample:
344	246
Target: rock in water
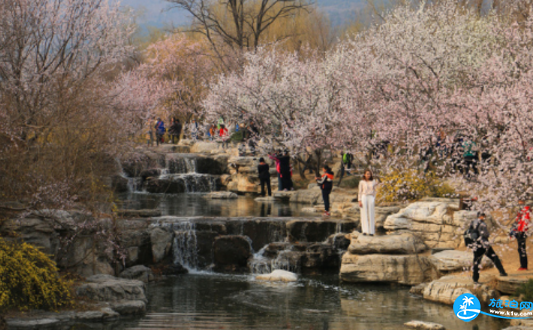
222	195
278	276
266	199
232	252
110	288
425	325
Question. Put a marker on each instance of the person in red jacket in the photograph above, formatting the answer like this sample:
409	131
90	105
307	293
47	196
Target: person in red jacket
523	219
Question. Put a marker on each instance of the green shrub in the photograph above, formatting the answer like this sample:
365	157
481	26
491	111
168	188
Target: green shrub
236	137
29	279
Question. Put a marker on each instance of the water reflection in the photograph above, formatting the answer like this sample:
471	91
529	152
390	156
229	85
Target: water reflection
238	302
196	205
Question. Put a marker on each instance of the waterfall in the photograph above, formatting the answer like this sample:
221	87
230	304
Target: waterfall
181	165
259	263
134	184
286	261
185	247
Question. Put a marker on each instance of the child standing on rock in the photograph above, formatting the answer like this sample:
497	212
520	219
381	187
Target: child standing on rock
326	184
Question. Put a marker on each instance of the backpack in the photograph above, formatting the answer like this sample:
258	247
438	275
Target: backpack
471	234
345	158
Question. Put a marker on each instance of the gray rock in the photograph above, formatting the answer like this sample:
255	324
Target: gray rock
110	288
418	289
31	324
139	272
129	307
231	252
446	289
222	195
387	244
424	325
161	239
90	316
452	260
403	269
109	313
509	284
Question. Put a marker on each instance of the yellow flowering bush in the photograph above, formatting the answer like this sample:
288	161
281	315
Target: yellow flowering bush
29	279
411	184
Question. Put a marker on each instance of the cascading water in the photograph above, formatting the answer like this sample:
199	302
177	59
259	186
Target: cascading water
286	261
181	165
185	247
179	176
134	184
259	263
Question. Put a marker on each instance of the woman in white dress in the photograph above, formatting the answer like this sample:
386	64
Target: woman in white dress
366	197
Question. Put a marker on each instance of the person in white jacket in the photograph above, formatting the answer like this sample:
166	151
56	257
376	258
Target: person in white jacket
366	197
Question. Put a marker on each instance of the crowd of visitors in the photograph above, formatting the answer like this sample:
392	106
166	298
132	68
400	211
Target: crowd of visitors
221	132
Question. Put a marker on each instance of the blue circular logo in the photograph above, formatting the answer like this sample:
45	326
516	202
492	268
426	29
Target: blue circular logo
466	307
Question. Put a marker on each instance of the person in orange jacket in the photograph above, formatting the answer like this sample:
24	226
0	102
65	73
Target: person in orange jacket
326	184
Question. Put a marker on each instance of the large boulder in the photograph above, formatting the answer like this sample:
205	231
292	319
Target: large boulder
309	196
129	307
139	272
388	244
306	256
446	289
110	288
135	239
216	165
136	163
403	269
453	260
432	220
231	252
509	284
161	239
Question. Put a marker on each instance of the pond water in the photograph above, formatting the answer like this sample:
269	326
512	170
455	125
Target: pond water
221	301
218	301
190	205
